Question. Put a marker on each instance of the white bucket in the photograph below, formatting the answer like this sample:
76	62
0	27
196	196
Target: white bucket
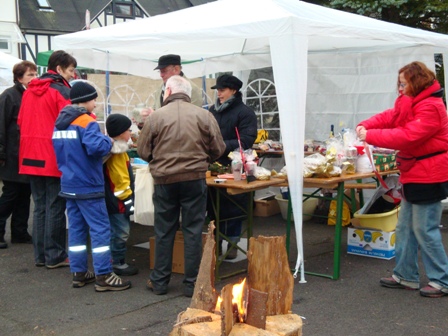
308	207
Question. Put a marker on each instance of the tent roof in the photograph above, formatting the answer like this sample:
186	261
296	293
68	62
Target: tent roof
217	32
8	61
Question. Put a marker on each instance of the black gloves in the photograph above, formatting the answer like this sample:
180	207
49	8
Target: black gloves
129	205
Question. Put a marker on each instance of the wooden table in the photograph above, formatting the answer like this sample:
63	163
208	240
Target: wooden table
338	184
271	153
234	188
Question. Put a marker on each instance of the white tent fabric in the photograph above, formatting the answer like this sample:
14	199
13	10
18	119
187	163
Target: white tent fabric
308	46
7	62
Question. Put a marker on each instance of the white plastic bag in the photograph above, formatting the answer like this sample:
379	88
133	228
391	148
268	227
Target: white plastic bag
143	205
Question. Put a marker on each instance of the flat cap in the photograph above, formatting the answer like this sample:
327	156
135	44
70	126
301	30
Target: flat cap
228	81
166	60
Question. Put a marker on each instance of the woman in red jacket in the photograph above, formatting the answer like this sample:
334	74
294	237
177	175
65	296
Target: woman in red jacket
417	126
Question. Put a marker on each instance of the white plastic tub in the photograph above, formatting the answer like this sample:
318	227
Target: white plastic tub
308	207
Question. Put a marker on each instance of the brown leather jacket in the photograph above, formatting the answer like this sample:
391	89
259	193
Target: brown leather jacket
179	141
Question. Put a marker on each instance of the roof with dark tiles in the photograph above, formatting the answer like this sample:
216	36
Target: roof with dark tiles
67	16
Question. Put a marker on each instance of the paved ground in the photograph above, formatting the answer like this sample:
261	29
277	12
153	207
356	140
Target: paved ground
37	301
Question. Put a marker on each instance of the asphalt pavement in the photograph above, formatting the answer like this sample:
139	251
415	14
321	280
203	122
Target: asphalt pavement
38	301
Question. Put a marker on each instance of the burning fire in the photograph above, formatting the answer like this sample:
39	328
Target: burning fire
238	300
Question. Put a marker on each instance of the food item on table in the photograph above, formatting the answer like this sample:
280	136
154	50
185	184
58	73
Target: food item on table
217	168
261	173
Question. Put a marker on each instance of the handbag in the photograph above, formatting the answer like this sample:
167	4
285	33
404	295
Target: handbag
143	204
405	163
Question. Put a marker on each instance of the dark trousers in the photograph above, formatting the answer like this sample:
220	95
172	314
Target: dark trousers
169	200
15	201
49	223
229	226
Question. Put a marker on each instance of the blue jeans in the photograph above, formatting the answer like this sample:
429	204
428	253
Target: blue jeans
119	234
418	226
49	223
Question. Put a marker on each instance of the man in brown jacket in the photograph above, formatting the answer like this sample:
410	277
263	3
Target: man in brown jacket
179	141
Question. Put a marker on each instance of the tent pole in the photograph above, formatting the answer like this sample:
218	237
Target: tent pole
445	73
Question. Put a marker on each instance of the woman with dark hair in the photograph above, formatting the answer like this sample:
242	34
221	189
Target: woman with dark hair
230	112
16	192
42	102
417	126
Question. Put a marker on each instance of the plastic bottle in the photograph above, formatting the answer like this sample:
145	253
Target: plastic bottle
237	165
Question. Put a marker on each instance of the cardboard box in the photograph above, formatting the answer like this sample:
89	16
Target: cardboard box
178	252
386	166
383	158
266	207
371	243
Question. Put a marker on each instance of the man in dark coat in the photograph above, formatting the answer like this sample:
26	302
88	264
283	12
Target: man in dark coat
16	192
230	112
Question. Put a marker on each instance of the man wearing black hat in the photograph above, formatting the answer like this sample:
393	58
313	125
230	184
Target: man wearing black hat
170	65
230	112
80	147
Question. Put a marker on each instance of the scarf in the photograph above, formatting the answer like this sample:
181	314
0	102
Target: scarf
221	107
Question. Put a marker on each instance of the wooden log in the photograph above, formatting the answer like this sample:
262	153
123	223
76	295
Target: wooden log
269	272
192	315
256	308
204	295
243	329
201	329
227	310
285	325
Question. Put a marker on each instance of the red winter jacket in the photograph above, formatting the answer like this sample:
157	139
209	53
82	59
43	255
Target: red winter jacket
41	104
416	126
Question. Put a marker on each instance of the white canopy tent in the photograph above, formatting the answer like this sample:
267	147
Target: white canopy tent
326	63
7	62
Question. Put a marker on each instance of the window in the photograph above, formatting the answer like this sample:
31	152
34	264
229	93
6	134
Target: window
124	9
44	4
4	44
260	95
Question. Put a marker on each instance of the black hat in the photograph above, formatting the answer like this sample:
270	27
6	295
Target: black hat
82	92
117	124
166	60
228	81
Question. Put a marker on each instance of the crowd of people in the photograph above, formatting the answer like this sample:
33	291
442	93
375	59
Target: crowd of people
52	148
58	155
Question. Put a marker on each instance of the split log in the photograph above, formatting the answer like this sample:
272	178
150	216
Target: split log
269	272
201	329
285	325
256	309
195	316
243	329
227	310
279	325
204	295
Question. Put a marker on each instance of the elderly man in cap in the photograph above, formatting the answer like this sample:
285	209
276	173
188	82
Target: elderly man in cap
170	65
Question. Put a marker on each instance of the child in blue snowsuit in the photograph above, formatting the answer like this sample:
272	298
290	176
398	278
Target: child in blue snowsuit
80	147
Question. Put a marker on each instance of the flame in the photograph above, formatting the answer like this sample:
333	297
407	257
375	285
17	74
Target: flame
218	304
238	299
238	296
